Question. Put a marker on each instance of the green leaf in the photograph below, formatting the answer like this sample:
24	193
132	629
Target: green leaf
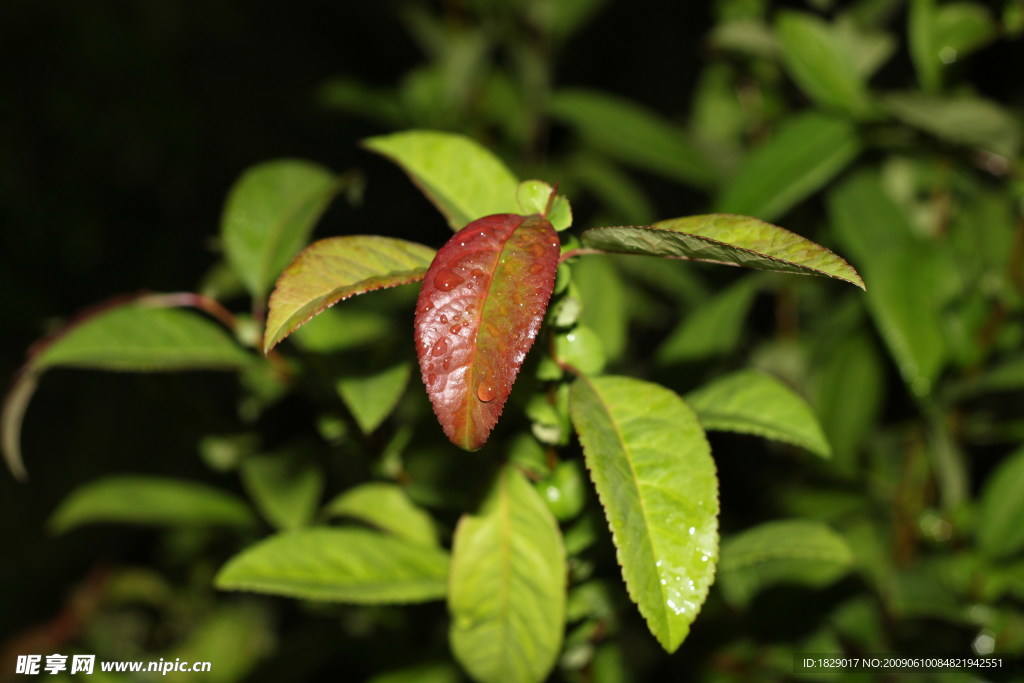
753	402
387	507
150	501
820	62
134	336
961	119
728	239
285	488
808	151
235	635
534	196
336	268
270	214
652	468
866	219
582	349
371	398
906	310
790	551
603	294
942	34
507	586
460	177
631	134
712	329
138	337
344	565
1000	524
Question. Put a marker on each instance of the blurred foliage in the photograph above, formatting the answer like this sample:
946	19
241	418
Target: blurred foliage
886	129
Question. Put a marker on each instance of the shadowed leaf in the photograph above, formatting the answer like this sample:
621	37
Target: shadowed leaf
151	501
479	310
336	268
725	238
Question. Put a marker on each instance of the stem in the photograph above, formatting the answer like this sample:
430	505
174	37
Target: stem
572	253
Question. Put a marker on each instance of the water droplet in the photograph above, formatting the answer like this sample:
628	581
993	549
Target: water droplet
440	348
485	392
446	280
477	273
443	319
447	361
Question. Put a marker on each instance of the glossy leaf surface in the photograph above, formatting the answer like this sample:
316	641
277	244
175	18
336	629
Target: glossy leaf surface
807	152
479	310
150	501
336	268
789	551
269	215
753	402
385	506
462	178
345	565
652	468
507	586
725	238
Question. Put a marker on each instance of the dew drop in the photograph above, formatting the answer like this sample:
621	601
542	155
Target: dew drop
477	273
447	362
446	280
439	349
443	319
485	392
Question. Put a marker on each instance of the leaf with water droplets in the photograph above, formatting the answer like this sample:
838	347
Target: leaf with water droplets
653	472
479	310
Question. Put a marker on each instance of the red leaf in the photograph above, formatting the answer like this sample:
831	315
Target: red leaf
481	304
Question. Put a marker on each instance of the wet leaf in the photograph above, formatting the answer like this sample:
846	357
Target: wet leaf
725	238
344	565
150	501
462	179
270	214
479	310
336	268
652	468
507	595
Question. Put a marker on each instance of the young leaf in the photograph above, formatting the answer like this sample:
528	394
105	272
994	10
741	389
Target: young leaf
752	402
1001	511
461	178
133	336
387	507
336	268
371	398
652	468
725	238
798	551
807	152
478	312
151	501
345	565
507	586
820	62
270	214
534	196
284	487
632	135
